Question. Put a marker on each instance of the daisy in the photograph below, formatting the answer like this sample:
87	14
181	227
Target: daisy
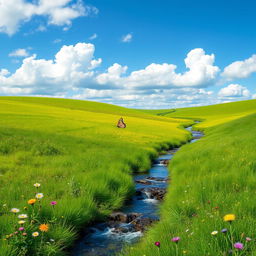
22	216
15	210
35	234
37	185
39	195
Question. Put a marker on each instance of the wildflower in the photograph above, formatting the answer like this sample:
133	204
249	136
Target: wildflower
24	234
44	227
176	239
22	216
229	217
53	202
15	210
37	185
25	208
239	246
32	201
224	230
39	195
248	239
35	234
214	233
157	244
21	229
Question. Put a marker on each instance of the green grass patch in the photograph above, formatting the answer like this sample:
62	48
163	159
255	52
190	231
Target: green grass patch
210	178
211	115
80	158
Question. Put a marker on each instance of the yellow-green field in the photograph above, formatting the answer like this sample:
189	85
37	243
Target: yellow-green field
211	115
211	178
84	164
80	158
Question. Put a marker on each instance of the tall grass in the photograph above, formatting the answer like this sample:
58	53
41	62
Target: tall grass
210	178
82	161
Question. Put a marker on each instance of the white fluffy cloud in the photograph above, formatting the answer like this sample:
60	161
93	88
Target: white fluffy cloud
127	38
201	72
168	98
71	66
240	69
234	90
58	12
19	53
73	73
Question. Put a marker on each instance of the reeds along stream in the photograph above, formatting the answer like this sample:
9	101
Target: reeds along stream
127	226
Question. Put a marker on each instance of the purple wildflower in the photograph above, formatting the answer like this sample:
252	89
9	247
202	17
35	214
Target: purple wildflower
176	239
224	230
238	246
157	244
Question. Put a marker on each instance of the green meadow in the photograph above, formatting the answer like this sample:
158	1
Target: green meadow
83	164
210	179
81	160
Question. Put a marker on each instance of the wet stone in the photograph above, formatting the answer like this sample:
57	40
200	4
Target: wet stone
158	179
144	182
142	224
152	193
162	162
122	217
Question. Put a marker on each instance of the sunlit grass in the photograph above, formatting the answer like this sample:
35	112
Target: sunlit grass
74	150
210	178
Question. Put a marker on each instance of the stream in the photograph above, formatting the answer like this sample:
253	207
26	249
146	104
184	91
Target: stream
127	226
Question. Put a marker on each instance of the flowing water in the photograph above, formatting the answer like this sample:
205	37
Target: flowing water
104	239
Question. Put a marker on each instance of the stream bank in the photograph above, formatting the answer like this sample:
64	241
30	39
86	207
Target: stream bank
127	226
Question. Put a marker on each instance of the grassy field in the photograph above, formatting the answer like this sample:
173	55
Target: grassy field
211	115
81	160
210	179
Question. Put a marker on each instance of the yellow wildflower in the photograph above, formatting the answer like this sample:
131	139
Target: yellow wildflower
229	217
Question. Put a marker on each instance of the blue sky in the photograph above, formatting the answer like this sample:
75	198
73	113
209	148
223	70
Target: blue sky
128	52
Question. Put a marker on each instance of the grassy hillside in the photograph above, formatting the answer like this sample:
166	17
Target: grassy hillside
212	115
82	161
210	179
82	105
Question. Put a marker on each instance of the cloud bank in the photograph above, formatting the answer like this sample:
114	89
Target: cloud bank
74	72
